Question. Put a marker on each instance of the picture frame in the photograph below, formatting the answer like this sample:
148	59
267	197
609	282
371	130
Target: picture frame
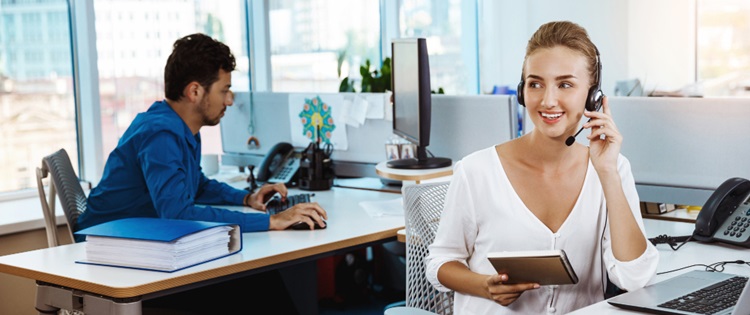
407	151
392	151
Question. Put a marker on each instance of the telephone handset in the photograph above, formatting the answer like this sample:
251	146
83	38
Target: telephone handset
280	165
726	215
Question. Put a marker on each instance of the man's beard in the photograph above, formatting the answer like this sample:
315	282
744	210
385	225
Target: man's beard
203	110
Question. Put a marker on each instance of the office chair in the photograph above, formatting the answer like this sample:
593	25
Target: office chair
65	184
423	205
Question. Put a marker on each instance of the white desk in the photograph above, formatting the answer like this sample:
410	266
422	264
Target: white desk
690	253
122	290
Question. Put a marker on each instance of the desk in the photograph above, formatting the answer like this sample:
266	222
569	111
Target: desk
690	253
63	283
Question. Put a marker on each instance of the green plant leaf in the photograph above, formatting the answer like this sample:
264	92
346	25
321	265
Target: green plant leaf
346	85
377	80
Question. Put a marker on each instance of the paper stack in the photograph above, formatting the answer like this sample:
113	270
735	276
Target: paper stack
159	244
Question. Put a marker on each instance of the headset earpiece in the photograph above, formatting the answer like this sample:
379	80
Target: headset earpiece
519	93
594	99
595	96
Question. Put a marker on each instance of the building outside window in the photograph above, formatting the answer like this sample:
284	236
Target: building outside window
37	106
450	42
134	39
724	47
317	43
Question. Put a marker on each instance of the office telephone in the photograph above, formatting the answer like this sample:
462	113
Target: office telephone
726	215
280	165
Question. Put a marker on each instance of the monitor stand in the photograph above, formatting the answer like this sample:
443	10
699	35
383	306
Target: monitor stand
421	162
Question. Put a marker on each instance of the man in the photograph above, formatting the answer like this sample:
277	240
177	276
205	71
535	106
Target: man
155	169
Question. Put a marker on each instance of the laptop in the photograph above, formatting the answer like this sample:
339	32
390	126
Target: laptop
691	293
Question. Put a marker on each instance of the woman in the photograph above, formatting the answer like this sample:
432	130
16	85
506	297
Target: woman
537	193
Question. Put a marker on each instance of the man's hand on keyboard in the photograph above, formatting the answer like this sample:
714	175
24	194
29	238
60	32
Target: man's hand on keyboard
309	213
258	199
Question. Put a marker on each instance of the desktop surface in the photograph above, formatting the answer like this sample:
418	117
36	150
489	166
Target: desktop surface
350	226
690	253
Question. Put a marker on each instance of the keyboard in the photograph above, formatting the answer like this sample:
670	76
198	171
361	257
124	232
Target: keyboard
710	300
276	205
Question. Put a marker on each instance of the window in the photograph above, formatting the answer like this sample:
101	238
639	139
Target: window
724	47
451	41
315	44
133	46
37	107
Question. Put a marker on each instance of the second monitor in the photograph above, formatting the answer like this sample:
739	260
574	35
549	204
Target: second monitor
412	102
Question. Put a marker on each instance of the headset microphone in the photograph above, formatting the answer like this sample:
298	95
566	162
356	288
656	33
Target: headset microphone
572	138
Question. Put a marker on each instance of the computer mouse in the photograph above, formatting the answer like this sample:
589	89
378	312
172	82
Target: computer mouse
304	226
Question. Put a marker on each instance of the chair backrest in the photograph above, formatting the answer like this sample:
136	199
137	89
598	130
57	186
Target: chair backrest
423	205
65	184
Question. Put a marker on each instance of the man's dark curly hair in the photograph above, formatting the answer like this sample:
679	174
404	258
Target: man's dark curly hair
196	57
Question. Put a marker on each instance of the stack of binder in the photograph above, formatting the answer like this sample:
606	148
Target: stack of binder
159	244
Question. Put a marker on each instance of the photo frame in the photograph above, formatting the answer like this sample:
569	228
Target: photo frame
392	151
407	151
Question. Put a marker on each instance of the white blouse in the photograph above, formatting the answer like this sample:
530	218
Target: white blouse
483	214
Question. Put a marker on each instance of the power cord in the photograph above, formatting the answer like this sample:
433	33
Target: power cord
605	275
714	267
671	240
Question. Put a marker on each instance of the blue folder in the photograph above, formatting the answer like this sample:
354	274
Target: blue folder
158	230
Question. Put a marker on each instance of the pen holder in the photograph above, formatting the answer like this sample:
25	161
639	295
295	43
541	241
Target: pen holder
316	169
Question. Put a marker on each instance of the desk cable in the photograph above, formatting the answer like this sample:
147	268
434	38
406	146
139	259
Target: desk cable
671	240
714	267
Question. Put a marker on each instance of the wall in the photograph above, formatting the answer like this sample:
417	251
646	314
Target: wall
661	37
650	40
17	294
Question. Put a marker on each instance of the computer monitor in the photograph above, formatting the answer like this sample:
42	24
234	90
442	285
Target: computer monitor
412	101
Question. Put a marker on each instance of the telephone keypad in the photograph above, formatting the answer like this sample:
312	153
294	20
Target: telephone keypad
286	173
735	229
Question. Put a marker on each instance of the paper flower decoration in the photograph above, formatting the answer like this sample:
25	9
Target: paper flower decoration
317	121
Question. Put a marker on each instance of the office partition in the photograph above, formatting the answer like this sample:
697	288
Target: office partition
680	149
460	125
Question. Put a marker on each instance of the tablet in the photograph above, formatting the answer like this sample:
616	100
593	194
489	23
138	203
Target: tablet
545	267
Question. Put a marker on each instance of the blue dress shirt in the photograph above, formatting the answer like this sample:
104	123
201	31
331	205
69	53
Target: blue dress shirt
155	172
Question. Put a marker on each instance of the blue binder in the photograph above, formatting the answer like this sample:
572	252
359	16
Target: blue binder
155	231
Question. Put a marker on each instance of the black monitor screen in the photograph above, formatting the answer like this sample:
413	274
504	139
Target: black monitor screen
406	89
412	101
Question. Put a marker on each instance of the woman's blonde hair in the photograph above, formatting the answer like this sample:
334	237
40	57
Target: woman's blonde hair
566	34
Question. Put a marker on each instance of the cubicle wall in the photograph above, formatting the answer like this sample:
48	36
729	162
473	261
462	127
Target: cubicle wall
681	149
460	125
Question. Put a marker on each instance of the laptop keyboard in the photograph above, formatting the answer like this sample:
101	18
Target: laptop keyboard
710	300
276	205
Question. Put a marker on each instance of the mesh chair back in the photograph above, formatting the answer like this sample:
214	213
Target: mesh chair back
67	186
423	205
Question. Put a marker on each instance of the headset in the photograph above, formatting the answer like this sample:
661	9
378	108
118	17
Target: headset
594	97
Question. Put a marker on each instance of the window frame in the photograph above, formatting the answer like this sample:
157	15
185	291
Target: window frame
84	55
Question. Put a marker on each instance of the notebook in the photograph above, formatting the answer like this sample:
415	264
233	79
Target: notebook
671	296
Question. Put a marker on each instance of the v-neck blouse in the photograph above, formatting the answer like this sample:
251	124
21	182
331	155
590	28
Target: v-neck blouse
483	214
499	171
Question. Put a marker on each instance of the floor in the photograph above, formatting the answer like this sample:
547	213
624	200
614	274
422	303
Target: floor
374	303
